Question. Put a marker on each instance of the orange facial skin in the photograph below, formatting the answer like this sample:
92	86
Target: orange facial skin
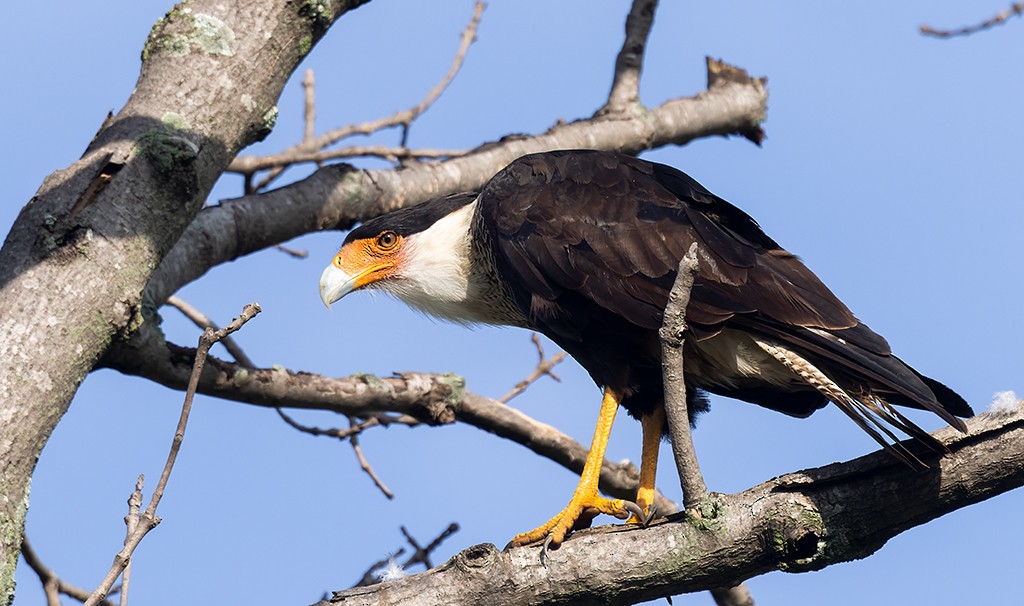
369	260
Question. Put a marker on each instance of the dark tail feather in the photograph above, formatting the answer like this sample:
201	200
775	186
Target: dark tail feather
949	399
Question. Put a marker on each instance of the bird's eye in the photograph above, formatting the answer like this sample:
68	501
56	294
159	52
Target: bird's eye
387	240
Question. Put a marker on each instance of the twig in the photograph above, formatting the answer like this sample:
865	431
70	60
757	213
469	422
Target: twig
676	414
389	153
307	150
421	555
355	428
382	419
131	522
309	108
1016	9
203	321
53	585
544	367
148	520
625	92
365	465
309	131
298	254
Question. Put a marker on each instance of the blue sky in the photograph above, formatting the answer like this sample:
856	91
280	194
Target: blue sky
891	166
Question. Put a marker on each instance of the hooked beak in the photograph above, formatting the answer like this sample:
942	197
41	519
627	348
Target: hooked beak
335	284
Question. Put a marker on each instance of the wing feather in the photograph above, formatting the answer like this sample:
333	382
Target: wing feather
577	228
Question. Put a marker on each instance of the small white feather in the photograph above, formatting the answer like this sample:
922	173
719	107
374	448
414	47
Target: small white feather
392	572
1004	402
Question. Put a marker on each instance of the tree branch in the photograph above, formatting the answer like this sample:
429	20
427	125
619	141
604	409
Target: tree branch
139	524
52	583
311	149
625	93
798	522
676	414
337	196
431	399
76	262
544	366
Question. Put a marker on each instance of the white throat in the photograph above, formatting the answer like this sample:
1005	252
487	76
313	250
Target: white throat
436	276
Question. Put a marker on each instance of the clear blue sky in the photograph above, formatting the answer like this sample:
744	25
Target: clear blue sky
892	166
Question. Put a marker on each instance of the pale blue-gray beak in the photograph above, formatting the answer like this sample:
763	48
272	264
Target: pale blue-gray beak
335	284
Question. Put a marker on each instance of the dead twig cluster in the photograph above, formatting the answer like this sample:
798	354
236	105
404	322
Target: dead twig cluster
139	524
420	555
544	366
314	149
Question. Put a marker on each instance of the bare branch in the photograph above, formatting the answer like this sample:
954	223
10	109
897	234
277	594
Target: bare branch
625	92
353	439
431	399
1016	9
309	107
676	414
677	417
309	150
392	154
380	419
298	254
203	321
798	522
148	520
420	555
544	367
131	522
52	583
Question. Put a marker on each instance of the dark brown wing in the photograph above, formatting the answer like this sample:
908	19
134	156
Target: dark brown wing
588	240
613	229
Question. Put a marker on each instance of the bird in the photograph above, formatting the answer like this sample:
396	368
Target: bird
584	246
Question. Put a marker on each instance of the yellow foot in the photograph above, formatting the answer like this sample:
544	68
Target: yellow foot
579	507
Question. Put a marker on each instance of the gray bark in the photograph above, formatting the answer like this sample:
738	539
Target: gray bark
74	265
799	522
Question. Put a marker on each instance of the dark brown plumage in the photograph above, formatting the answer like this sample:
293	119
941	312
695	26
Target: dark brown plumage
589	243
584	247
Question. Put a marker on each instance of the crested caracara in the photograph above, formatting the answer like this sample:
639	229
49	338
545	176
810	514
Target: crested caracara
584	246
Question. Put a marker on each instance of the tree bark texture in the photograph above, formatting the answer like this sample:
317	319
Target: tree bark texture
799	522
76	262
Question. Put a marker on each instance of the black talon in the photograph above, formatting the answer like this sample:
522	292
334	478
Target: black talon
544	551
634	509
650	515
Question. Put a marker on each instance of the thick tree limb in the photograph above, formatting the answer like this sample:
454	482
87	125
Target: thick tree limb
798	522
337	196
432	399
75	263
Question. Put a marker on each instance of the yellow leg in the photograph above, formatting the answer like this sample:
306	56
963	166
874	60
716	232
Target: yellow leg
653	426
586	494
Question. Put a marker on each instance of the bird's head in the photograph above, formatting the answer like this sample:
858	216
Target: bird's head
417	254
